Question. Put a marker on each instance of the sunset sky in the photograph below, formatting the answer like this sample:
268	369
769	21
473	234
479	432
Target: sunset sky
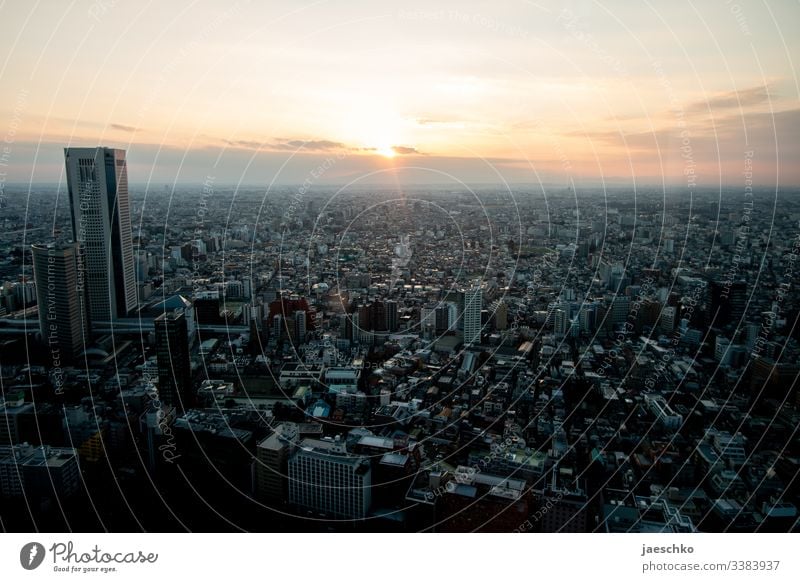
255	92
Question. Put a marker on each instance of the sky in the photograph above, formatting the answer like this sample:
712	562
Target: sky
679	93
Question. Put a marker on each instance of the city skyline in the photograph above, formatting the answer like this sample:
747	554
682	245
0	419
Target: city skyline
342	267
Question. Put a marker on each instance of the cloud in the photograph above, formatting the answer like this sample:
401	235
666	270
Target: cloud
445	121
405	150
285	144
314	145
732	99
398	150
128	128
730	128
430	121
244	143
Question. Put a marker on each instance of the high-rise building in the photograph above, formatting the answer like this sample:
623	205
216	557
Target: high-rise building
391	315
142	265
206	308
561	323
452	316
500	314
174	364
619	309
587	317
442	317
379	316
325	478
277	328
427	317
97	180
271	465
728	301
666	322
456	298
60	294
473	303
364	318
300	327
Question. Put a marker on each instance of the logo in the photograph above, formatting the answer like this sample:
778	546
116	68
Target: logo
31	555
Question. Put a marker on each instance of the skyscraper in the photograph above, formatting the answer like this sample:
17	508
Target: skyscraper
391	315
473	303
60	295
500	315
174	364
300	327
562	322
97	180
728	301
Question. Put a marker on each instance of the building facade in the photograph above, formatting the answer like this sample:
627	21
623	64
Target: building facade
174	363
63	317
97	181
325	479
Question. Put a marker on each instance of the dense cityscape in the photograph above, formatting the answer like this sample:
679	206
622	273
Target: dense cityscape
542	358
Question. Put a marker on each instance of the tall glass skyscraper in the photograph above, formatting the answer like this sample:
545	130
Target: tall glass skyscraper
97	180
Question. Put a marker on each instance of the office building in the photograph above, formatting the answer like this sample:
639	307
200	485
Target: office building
392	315
300	327
272	456
325	479
561	322
207	308
97	181
60	295
619	309
473	302
174	364
663	412
667	322
27	471
728	301
277	327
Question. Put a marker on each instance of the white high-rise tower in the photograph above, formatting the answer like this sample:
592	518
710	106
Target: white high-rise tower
473	302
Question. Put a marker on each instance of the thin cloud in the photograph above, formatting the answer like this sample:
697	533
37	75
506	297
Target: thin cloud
319	145
244	143
732	99
121	127
405	150
446	121
314	145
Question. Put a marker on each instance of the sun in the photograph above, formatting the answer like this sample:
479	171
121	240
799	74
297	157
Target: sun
387	152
